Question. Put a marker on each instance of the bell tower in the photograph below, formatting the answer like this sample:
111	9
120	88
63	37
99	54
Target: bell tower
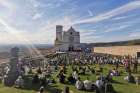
59	32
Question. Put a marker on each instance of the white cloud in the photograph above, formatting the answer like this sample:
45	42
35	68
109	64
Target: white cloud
7	4
120	10
66	22
37	16
91	38
35	3
46	33
118	18
134	34
84	33
123	17
18	36
11	32
116	28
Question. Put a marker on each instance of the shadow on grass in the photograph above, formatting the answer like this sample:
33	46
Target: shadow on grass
30	86
53	89
114	81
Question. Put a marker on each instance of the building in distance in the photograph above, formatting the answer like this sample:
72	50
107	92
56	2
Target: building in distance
67	40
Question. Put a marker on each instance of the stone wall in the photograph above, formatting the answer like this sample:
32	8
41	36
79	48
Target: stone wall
118	50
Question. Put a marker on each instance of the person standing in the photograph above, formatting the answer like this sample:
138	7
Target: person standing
135	65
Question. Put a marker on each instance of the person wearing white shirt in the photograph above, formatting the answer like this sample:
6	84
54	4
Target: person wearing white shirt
75	75
99	83
88	84
79	84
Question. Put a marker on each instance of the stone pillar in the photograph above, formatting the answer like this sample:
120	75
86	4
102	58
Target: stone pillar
13	74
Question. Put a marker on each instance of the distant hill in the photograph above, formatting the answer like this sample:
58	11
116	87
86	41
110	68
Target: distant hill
4	55
7	47
119	43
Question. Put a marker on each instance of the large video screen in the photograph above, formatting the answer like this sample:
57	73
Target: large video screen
138	54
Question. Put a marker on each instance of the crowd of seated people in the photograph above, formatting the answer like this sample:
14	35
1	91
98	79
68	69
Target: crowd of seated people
103	84
81	67
99	86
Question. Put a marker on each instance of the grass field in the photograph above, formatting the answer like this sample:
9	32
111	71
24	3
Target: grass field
120	86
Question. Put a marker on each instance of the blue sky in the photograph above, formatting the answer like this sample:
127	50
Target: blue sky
34	21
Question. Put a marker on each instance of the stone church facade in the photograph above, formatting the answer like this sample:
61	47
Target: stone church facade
66	40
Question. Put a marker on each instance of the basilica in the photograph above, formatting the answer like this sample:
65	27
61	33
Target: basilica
67	40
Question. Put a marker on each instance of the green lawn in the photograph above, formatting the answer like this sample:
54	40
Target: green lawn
120	86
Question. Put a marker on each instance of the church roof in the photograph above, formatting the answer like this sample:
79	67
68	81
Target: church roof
72	29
